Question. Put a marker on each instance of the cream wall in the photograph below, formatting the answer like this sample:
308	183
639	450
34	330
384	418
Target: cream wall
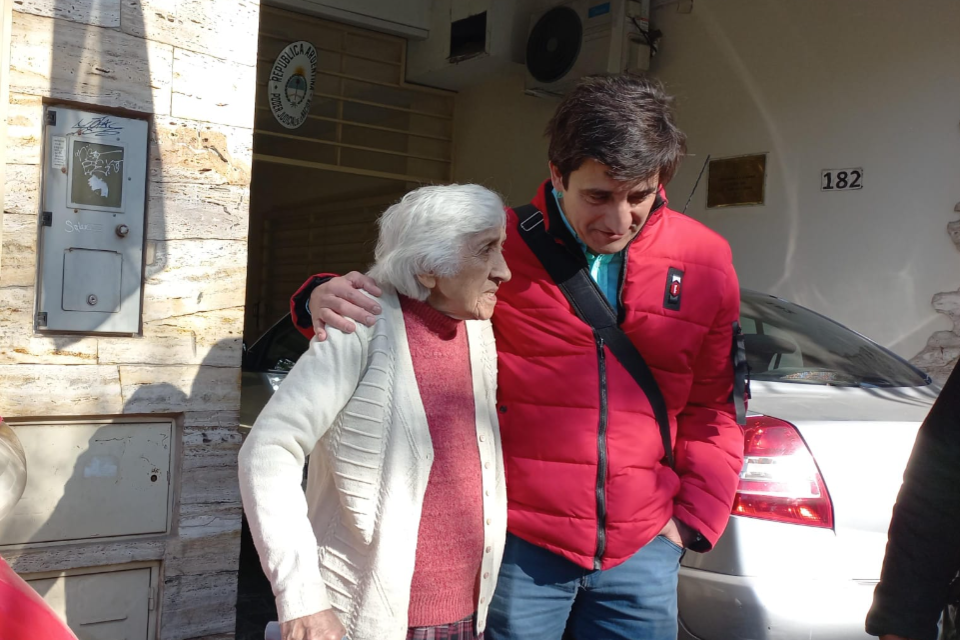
823	84
189	69
818	84
498	138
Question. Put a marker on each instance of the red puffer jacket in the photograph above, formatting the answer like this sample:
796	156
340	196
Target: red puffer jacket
584	477
581	446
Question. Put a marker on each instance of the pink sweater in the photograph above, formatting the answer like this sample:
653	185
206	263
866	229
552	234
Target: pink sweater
450	542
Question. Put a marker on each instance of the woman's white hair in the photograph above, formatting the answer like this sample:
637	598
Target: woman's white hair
425	233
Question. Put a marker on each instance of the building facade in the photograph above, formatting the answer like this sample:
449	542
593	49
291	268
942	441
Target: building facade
131	520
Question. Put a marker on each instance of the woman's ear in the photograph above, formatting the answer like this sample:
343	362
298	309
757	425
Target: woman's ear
428	280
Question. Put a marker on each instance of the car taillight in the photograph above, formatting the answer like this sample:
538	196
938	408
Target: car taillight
780	480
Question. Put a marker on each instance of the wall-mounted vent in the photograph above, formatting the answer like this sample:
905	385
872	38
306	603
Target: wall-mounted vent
468	37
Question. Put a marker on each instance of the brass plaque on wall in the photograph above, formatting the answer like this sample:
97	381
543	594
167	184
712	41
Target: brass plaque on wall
736	182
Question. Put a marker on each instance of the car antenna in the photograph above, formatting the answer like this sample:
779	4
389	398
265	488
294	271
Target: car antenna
697	183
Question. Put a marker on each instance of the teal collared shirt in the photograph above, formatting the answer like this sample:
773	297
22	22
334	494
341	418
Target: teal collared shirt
604	267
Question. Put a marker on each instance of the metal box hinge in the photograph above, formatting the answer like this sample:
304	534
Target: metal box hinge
52	118
152	600
42	319
46	218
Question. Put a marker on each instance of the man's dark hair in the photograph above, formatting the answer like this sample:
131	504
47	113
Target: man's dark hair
623	121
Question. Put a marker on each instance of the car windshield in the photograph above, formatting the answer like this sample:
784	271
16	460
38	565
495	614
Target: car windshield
788	343
278	349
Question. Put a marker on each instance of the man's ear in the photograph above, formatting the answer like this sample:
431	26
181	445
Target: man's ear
556	178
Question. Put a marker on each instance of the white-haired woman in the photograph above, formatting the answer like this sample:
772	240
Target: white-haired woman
401	531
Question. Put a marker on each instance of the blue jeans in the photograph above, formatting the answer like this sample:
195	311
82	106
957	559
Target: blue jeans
540	595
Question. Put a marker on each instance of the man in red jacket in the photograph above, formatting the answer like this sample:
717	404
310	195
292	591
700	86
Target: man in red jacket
602	502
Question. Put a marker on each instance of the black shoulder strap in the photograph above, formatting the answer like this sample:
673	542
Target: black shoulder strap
590	305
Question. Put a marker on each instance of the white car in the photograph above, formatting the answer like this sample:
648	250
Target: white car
832	423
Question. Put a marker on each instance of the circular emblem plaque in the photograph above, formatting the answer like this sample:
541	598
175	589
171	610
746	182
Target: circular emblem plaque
290	87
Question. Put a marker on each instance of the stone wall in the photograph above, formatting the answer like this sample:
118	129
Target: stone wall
190	65
943	349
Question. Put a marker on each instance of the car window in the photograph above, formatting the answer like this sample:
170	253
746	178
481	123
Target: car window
788	343
280	348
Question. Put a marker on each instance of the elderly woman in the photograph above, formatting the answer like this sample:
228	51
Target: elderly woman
401	531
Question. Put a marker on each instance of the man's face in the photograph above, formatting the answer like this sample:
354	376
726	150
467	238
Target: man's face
605	213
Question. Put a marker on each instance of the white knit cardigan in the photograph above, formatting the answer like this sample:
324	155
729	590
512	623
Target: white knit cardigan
352	404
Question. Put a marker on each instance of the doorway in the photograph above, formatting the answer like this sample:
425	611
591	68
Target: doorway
321	176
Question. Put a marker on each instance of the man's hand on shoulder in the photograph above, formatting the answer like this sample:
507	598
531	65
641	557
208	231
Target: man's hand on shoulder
340	301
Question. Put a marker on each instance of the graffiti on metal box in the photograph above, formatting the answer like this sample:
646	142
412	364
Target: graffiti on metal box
97	174
98	126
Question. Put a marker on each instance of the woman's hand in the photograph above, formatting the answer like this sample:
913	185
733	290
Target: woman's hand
323	625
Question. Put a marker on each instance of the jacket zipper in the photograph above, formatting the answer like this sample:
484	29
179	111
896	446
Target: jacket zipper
601	457
602	434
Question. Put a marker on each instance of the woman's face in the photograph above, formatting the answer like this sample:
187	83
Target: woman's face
472	293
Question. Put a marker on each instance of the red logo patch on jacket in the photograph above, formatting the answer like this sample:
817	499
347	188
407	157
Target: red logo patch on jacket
671	297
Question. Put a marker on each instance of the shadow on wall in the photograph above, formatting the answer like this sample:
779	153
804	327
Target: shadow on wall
77	54
122	483
91	55
81	55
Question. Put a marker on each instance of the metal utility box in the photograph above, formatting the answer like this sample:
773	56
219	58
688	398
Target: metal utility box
104	603
91	222
88	481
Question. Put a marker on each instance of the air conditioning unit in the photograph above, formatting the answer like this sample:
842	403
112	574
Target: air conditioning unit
579	38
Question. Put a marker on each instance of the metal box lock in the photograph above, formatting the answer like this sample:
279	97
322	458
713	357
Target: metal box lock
92	222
